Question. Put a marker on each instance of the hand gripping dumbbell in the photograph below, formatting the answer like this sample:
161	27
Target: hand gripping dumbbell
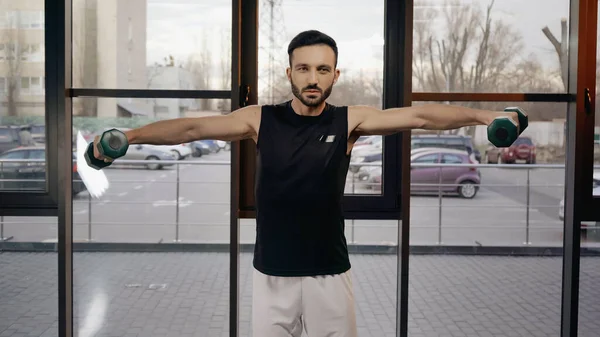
111	145
503	131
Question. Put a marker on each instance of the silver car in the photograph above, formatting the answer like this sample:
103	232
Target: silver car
151	153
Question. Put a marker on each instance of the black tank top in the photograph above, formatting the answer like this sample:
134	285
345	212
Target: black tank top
300	178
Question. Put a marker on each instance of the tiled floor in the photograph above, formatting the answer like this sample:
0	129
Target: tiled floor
186	294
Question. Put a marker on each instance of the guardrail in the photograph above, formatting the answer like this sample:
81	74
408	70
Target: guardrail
354	185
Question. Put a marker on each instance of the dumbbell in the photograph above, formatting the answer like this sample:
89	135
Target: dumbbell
112	145
503	131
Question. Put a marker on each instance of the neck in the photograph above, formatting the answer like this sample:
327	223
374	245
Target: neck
304	110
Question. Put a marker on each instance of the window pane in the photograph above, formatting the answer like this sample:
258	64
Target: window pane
495	207
29	301
152	44
489	46
157	194
20	108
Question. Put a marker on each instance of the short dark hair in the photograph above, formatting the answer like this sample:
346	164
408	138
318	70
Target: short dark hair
310	38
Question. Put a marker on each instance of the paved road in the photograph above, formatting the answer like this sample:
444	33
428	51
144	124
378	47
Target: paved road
140	206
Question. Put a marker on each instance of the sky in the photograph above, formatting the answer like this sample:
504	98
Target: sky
178	27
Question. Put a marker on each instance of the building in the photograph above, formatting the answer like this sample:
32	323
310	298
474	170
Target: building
22	82
170	77
109	52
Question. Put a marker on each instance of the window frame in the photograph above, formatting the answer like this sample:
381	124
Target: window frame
398	21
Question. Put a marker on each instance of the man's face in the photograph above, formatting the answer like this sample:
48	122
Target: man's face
313	74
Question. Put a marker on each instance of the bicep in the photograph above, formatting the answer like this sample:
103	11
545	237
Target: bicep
238	125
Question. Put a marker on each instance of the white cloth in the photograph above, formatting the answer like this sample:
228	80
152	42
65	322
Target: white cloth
321	306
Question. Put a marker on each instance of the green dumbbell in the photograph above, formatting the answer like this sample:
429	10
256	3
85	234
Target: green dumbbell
503	131
112	145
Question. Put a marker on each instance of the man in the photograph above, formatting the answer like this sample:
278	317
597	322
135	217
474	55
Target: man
302	277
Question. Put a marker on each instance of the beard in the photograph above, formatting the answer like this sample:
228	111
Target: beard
311	102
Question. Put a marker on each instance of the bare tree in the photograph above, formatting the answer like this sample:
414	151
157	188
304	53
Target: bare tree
561	48
225	105
422	34
14	46
199	65
85	66
468	51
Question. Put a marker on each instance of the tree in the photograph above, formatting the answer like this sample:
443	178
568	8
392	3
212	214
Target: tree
14	50
225	105
561	47
200	66
462	48
85	65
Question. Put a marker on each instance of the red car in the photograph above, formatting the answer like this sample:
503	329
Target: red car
522	150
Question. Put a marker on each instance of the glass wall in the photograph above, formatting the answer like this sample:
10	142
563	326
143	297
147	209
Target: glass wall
160	197
28	282
470	197
152	253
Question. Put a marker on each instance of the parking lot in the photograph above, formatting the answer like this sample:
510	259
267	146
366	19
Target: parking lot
144	205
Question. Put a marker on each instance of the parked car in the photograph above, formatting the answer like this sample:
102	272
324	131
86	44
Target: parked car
29	170
365	173
204	147
152	153
522	150
463	181
458	142
179	151
596	192
367	149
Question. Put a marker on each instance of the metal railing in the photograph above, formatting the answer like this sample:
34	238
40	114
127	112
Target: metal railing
356	184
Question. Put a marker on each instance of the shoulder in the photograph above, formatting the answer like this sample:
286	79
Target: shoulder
249	114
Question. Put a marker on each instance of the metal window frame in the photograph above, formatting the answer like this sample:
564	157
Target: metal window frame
58	32
579	160
588	80
398	37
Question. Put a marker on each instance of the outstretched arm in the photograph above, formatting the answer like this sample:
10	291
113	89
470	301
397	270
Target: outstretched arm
368	121
240	124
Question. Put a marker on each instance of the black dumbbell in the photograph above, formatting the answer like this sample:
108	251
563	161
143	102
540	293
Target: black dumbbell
112	145
503	131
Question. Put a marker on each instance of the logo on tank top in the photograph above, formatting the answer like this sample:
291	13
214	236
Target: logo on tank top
328	139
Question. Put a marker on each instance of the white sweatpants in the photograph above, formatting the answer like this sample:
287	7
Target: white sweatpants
321	306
